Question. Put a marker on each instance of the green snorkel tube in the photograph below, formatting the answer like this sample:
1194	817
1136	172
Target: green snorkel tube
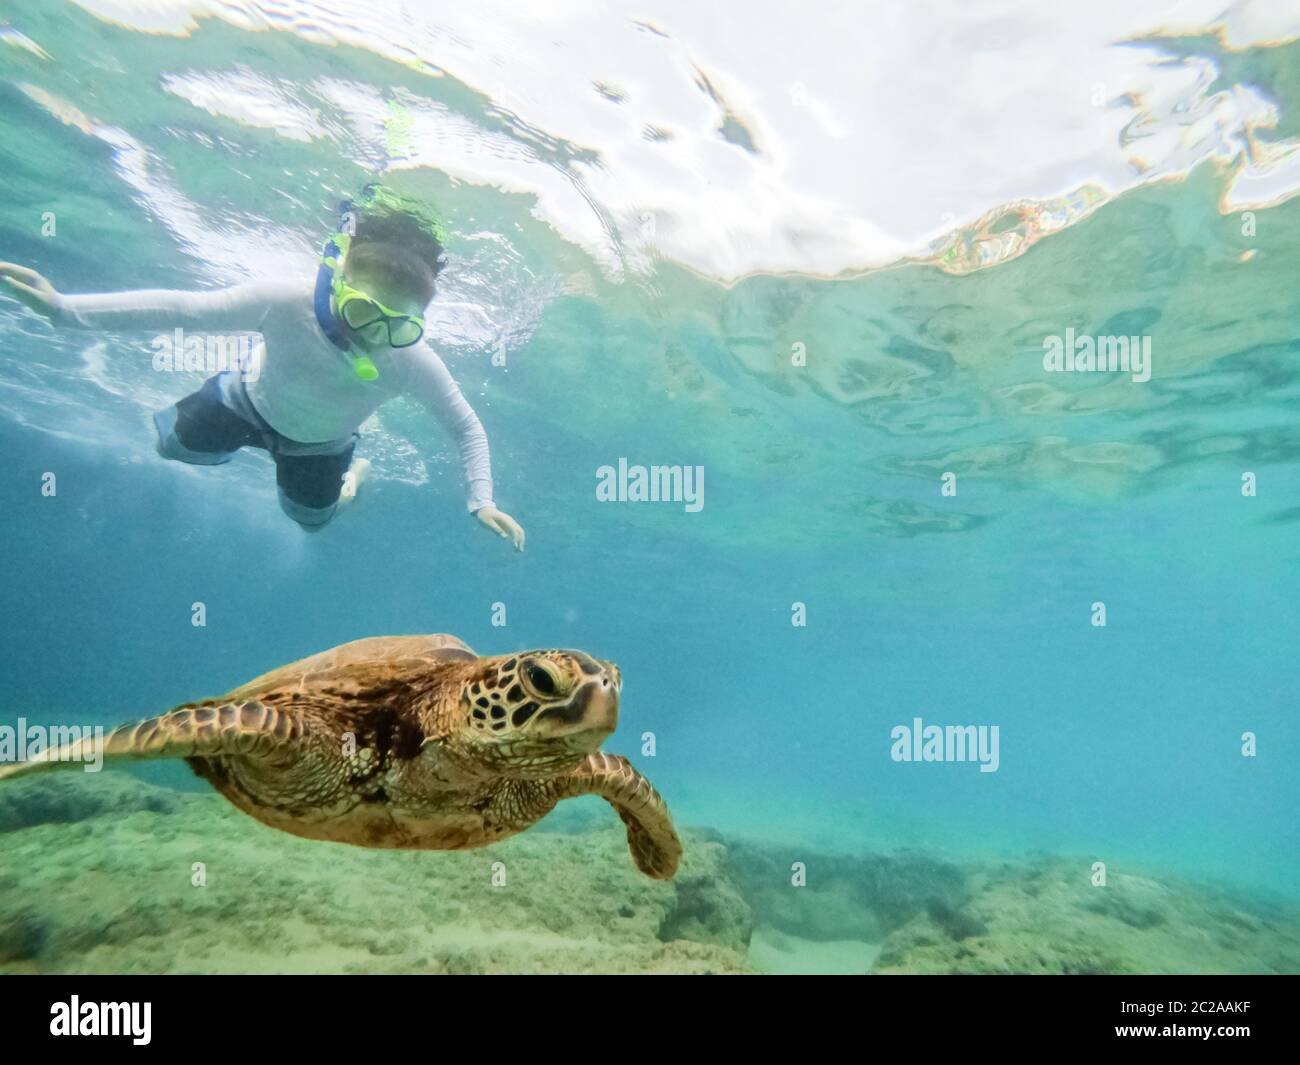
331	260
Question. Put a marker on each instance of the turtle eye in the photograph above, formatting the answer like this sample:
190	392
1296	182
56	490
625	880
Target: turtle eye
541	679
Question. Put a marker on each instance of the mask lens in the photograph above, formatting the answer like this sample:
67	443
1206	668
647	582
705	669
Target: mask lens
403	332
359	313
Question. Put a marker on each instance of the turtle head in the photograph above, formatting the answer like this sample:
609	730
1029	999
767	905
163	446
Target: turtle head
540	708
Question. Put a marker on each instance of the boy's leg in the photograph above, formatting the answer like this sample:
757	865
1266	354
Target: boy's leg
309	485
201	429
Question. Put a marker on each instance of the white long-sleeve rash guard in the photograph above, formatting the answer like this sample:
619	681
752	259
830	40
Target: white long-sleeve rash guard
302	384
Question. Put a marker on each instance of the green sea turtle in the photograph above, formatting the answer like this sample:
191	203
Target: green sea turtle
408	742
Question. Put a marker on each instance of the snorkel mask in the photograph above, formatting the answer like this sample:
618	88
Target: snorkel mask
343	311
362	313
331	260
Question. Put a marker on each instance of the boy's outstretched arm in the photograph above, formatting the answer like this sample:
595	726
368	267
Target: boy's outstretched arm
240	308
432	384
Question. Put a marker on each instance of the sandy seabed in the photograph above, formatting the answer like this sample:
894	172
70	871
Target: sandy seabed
106	873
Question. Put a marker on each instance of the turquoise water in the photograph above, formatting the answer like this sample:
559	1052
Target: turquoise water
823	482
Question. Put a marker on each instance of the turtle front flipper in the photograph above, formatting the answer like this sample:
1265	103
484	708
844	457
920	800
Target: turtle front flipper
650	834
247	728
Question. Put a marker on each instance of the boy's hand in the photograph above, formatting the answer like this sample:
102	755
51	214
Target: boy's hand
30	288
502	524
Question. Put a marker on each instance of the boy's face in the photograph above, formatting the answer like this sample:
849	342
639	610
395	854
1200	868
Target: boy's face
375	337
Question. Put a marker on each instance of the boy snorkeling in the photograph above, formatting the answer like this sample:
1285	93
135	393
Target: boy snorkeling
324	363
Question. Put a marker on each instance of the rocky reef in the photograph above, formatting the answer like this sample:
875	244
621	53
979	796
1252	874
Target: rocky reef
1037	914
106	873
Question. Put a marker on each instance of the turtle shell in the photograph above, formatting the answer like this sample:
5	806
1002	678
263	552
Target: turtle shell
390	658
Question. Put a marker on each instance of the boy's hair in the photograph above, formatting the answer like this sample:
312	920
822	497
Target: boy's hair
397	248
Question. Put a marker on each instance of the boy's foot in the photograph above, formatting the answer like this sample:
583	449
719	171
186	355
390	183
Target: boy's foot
352	480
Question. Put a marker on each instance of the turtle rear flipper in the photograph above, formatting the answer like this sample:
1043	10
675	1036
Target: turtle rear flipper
248	728
653	841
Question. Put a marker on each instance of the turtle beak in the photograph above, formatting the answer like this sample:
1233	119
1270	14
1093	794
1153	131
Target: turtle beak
603	711
589	716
